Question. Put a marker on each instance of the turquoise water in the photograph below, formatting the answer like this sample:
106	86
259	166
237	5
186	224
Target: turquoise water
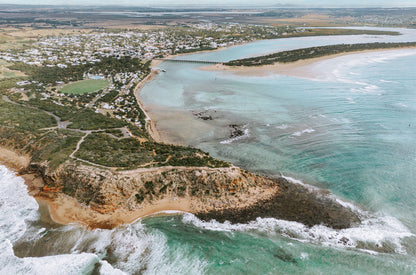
351	130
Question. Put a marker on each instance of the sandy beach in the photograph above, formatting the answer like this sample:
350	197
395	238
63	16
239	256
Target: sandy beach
66	210
150	123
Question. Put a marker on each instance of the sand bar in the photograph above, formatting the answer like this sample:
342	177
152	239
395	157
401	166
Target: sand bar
303	68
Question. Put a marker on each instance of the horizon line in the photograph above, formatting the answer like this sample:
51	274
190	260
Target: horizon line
192	6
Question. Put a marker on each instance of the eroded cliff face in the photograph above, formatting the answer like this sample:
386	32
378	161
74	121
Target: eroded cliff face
106	190
211	193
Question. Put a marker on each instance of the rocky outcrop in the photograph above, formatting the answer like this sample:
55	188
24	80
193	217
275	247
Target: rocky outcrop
213	193
294	203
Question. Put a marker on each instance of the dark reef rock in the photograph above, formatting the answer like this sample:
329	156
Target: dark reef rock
204	115
293	203
236	130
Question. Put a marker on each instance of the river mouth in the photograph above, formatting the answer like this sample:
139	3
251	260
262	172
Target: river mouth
345	132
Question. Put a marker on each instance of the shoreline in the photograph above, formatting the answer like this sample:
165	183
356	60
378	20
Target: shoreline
64	209
262	197
150	123
301	68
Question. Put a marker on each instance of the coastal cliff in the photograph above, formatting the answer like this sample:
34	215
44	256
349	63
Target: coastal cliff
116	197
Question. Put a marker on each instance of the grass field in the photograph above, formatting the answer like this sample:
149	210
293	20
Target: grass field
85	86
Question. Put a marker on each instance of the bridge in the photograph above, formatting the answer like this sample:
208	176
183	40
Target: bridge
189	61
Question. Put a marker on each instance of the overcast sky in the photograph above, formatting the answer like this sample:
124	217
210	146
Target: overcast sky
325	3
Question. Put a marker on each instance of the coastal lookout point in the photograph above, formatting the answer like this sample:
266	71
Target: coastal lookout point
189	61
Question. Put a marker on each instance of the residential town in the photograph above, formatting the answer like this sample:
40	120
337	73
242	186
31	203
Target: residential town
63	51
117	99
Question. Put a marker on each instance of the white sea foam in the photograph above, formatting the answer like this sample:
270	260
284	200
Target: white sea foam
306	131
339	69
371	234
366	88
16	206
283	126
133	247
107	269
374	232
293	180
83	263
313	188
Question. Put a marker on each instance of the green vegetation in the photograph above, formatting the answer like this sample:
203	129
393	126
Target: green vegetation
83	118
58	151
26	128
108	97
106	66
64	112
115	132
85	86
21	129
138	132
132	110
88	120
20	117
307	53
7	83
130	152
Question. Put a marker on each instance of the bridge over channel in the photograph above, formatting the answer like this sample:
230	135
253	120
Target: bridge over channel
189	61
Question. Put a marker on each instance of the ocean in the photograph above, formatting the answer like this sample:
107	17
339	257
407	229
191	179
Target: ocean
350	130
